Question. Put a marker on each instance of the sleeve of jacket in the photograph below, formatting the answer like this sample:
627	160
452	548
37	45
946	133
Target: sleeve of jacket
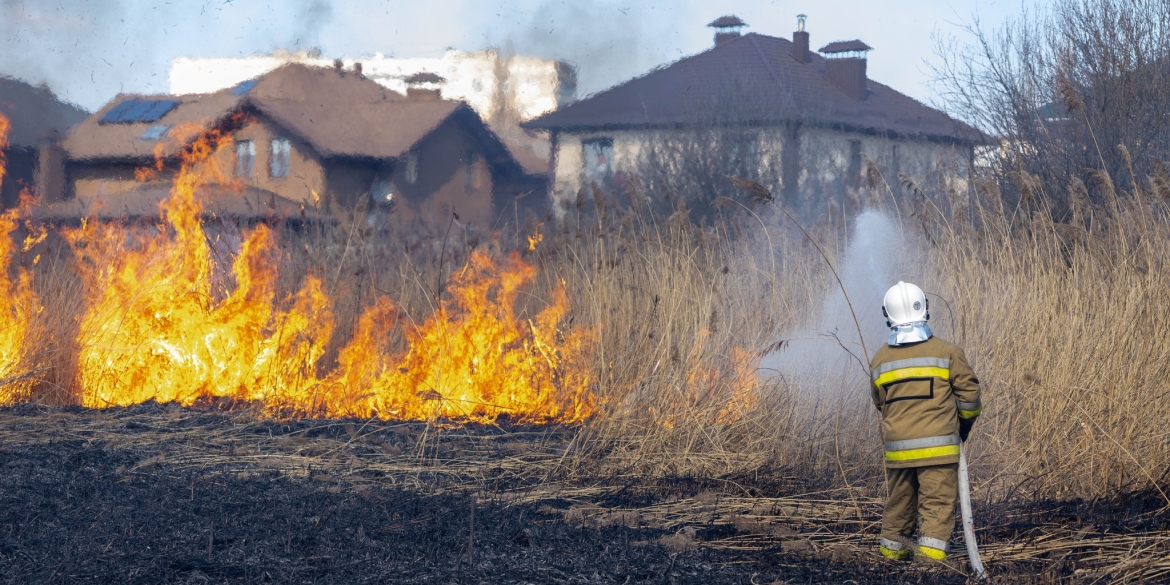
965	386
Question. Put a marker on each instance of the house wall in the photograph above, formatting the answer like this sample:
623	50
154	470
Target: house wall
306	175
826	165
50	172
450	175
830	165
19	173
348	180
92	182
89	182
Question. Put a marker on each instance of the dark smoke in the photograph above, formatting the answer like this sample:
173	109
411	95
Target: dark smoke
607	43
312	17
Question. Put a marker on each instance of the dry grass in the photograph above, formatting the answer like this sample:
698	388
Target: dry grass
1066	323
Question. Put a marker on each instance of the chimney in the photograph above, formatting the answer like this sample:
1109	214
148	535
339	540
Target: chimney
800	41
726	29
845	63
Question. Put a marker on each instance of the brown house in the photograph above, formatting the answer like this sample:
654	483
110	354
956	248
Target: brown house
37	121
303	141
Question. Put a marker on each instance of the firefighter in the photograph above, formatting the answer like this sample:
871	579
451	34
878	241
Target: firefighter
929	400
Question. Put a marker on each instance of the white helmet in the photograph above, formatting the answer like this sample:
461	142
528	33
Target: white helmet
905	303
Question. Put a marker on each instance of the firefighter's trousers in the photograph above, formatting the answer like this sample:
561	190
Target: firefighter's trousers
926	494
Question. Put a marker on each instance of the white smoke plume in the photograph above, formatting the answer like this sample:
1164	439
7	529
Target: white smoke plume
827	355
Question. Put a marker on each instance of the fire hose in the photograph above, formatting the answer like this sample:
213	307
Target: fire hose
968	523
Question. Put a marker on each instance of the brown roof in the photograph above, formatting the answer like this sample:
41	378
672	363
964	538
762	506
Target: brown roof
92	139
336	113
845	47
373	130
755	80
728	21
35	113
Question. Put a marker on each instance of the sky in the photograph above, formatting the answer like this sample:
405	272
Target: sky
88	51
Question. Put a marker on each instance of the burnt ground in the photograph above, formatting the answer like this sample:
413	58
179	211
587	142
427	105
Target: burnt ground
161	494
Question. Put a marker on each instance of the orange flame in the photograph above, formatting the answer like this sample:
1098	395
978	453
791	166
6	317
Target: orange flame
536	238
153	330
473	359
18	300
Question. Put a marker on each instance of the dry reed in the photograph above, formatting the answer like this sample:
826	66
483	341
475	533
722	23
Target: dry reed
1065	322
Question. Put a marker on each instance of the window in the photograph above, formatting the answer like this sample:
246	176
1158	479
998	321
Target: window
412	168
278	158
245	158
598	154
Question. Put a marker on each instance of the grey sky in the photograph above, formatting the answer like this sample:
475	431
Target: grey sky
89	50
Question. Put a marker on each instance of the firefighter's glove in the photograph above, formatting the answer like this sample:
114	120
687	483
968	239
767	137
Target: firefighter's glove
965	425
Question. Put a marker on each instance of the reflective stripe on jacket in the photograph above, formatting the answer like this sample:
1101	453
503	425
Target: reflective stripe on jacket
922	390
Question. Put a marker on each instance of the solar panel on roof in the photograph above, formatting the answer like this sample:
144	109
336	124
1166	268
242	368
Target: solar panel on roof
244	87
155	133
115	114
138	110
158	110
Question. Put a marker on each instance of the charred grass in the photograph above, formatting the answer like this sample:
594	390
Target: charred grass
165	494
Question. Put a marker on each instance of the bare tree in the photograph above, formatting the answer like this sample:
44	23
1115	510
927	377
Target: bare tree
1066	88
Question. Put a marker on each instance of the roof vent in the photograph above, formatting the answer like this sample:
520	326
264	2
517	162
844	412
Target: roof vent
800	50
845	64
726	29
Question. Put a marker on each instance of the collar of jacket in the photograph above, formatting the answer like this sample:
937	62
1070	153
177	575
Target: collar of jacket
909	333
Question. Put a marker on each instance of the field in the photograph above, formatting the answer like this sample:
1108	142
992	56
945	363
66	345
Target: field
166	494
619	395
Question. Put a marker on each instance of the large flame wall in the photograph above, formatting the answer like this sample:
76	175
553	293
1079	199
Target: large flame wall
153	328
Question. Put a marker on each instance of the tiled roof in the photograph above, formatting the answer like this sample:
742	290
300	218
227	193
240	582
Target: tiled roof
754	80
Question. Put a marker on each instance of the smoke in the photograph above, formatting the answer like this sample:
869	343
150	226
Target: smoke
826	356
607	42
60	44
313	16
89	50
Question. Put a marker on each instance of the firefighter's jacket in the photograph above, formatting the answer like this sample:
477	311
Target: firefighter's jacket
922	390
